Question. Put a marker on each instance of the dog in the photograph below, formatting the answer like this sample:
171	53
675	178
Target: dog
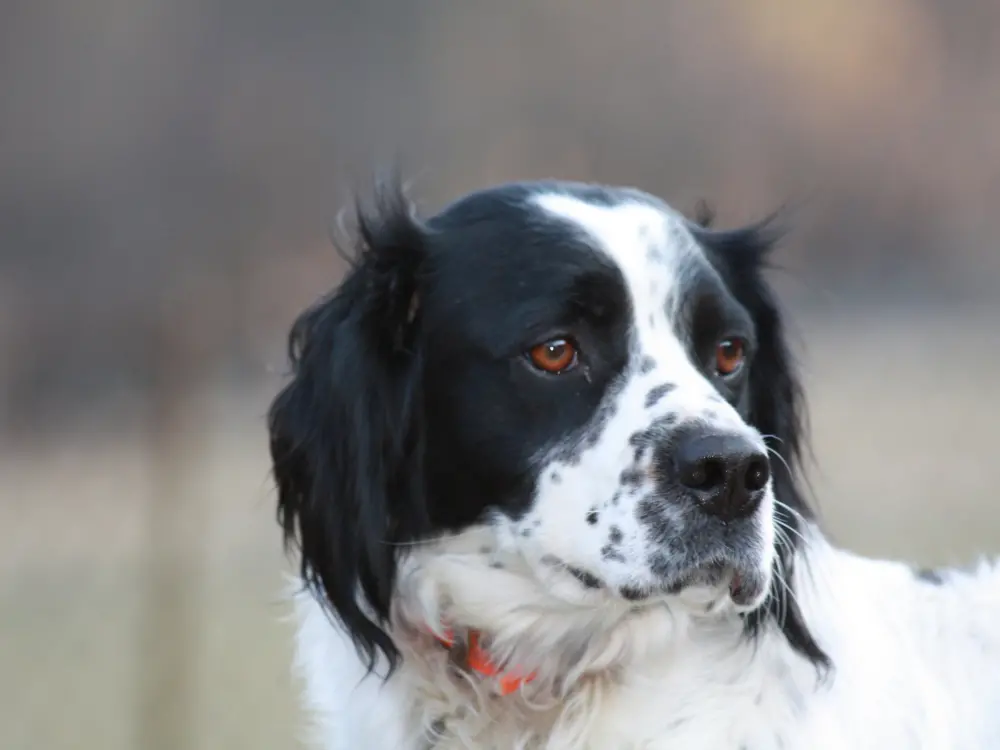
539	458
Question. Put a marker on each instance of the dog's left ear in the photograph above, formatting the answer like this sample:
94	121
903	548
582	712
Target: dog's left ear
347	433
777	408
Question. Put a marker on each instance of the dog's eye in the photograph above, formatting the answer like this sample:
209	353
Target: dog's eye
729	356
555	356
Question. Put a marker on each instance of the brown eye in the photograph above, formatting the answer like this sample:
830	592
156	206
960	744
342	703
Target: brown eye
729	356
555	356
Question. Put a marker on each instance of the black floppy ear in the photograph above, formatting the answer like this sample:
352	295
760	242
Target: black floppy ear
347	435
776	402
777	408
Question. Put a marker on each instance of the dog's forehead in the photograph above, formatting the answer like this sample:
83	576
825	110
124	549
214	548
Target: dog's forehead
647	240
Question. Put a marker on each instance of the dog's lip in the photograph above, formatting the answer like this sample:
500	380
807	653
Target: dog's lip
743	590
710	576
735	584
741	584
733	579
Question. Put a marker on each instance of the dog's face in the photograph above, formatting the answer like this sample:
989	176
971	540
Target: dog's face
581	370
587	383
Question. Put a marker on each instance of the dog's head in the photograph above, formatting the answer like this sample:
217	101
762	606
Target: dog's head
598	381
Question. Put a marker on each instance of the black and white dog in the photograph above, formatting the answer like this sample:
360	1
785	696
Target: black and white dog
539	458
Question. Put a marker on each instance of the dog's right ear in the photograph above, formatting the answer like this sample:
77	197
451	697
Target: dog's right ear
347	433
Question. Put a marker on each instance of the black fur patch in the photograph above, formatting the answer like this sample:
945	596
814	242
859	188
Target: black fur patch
612	554
649	514
929	575
657	393
633	594
631	476
588	580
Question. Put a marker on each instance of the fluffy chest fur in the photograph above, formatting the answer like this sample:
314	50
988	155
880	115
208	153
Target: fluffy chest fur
923	672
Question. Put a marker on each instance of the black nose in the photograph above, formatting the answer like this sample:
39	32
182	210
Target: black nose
726	473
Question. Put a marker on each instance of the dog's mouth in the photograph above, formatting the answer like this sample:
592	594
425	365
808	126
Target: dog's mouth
745	591
708	584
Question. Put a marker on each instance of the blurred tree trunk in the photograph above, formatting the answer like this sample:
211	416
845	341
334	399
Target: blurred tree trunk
168	637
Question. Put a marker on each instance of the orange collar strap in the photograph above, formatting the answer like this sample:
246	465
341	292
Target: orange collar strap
479	661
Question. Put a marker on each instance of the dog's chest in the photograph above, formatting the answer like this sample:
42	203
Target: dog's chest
640	726
641	712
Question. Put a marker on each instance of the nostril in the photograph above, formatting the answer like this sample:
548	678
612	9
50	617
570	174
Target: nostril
758	471
706	474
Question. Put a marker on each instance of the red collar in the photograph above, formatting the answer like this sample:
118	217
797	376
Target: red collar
478	660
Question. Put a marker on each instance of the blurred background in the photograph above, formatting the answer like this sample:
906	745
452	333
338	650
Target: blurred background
168	171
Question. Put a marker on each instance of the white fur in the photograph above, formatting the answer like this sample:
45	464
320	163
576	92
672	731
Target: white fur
917	666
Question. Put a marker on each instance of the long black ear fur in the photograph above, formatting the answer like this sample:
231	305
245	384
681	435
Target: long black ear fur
347	433
776	409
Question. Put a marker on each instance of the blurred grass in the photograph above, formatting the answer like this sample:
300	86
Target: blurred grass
75	661
903	431
72	665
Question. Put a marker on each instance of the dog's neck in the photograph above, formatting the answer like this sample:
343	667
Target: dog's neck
613	672
562	638
578	652
559	633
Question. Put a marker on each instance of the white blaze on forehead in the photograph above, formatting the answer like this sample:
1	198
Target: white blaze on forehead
647	242
652	247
